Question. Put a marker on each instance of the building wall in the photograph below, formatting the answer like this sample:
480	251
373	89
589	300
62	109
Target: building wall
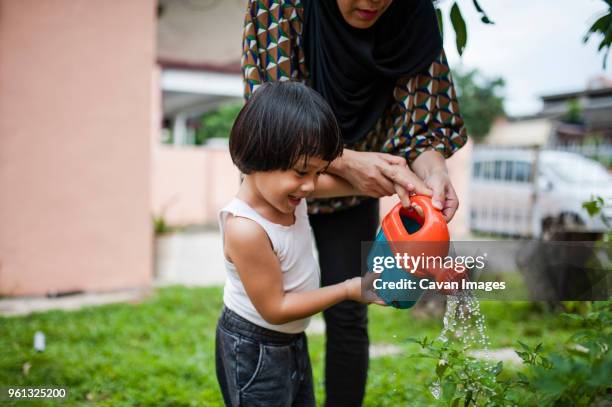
77	102
191	184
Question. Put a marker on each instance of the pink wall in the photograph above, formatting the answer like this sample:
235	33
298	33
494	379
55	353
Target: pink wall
191	184
76	97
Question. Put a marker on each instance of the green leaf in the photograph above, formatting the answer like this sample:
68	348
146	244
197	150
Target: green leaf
547	364
524	355
592	207
498	368
523	379
602	26
478	8
468	398
484	18
440	22
441	367
524	346
459	27
573	317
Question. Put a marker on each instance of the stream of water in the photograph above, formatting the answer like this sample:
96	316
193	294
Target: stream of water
464	323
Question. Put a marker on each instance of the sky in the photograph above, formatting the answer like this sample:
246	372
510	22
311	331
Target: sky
535	45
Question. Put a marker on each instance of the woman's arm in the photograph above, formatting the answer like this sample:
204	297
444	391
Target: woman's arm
434	122
431	167
259	62
431	131
247	246
329	186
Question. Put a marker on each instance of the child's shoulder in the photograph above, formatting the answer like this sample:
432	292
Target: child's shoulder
241	226
244	234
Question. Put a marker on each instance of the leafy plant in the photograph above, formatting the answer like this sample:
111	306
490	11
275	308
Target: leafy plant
577	375
595	207
462	379
603	27
160	226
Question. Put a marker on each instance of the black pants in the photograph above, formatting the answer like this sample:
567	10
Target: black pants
259	367
338	237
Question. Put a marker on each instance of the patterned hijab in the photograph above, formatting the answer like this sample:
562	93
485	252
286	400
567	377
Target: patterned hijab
354	69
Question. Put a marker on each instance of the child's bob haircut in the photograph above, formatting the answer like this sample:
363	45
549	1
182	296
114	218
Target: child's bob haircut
280	123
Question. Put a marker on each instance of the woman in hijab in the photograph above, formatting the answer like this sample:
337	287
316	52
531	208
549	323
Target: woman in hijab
381	66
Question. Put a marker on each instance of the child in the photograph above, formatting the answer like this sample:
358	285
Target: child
283	140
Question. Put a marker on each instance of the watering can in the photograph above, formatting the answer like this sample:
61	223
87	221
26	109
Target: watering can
404	231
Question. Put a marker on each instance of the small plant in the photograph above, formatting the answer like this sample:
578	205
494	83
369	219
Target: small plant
595	207
463	380
160	226
579	374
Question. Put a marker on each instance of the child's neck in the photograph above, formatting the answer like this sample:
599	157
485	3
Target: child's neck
249	193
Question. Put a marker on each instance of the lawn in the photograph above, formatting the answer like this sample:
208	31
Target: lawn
161	351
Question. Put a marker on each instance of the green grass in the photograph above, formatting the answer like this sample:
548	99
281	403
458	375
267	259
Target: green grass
161	351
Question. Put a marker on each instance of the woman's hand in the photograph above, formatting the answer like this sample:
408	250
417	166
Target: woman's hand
364	171
431	167
444	196
401	176
379	174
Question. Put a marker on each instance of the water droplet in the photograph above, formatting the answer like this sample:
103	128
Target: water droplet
435	389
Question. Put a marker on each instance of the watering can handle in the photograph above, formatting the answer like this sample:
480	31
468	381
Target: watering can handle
433	226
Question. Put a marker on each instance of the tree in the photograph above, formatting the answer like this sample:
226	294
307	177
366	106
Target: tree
480	101
218	123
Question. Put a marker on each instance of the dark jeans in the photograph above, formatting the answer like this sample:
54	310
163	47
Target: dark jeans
339	236
260	367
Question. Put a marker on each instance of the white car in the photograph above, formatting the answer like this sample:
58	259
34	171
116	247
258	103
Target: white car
536	193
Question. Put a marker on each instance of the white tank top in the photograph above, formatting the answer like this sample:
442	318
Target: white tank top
293	245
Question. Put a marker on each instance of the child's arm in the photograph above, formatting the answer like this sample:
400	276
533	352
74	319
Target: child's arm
329	185
247	246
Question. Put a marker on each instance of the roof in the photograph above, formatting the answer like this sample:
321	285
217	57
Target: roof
589	93
200	32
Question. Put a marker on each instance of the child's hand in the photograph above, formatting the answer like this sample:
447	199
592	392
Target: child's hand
356	285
